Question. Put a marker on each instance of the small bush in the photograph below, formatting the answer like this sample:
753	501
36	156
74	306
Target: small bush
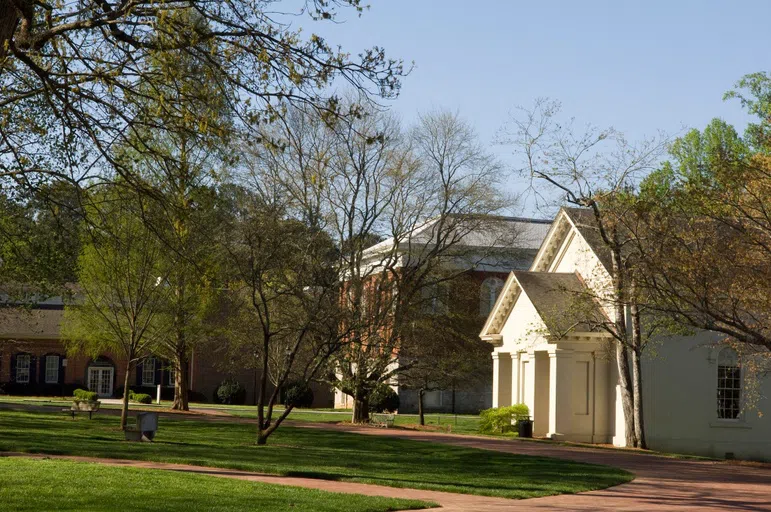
499	420
142	398
231	392
82	394
298	394
383	398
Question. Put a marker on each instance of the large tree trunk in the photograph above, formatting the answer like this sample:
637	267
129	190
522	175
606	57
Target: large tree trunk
360	409
421	392
622	358
125	405
181	383
639	424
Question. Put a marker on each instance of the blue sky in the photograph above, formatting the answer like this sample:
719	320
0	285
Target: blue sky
637	66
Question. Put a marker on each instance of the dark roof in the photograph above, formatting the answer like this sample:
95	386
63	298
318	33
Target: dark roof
562	300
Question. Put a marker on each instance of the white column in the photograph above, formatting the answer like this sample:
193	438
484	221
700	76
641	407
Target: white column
501	379
515	364
560	393
528	394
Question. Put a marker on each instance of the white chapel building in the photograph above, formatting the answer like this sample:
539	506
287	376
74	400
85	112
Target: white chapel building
565	371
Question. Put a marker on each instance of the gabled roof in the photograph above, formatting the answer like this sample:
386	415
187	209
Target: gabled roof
568	219
562	300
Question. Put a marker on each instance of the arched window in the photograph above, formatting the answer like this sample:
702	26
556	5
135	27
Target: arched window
729	385
488	294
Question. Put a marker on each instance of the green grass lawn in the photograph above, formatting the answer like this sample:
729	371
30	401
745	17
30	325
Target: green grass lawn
458	424
35	484
310	453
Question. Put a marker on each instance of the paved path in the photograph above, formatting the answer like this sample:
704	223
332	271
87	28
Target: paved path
661	483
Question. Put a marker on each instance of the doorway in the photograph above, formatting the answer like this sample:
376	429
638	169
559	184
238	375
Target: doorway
100	380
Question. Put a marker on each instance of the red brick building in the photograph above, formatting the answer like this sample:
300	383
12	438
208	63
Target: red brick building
485	256
33	361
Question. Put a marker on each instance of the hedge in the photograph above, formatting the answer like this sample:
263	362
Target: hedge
498	420
83	394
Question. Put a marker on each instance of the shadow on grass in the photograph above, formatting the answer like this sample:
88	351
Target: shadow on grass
310	453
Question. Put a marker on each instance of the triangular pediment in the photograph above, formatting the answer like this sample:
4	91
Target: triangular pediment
572	227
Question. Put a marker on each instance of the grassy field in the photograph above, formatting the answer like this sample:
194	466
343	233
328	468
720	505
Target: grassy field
459	424
35	484
310	453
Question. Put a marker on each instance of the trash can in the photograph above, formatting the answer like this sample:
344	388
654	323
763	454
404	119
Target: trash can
525	427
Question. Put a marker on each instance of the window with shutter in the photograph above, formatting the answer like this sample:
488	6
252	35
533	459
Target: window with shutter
23	368
148	372
52	369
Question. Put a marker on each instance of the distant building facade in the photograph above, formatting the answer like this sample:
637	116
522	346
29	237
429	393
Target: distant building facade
487	257
33	361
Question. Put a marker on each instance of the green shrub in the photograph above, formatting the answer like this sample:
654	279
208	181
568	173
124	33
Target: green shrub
298	394
142	398
231	392
83	394
498	420
383	398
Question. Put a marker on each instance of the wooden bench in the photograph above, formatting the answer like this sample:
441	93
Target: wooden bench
382	420
83	406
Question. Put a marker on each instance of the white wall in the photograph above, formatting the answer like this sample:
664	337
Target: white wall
523	329
680	404
575	255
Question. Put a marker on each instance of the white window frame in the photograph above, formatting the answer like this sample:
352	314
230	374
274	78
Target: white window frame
729	409
27	369
149	364
172	376
52	370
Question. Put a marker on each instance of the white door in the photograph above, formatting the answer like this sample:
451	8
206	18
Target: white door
100	380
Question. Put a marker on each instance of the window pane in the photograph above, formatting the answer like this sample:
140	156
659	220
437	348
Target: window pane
22	369
52	369
728	387
148	372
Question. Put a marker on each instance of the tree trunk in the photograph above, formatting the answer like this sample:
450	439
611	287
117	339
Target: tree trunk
622	358
262	438
639	423
360	410
124	407
421	392
181	383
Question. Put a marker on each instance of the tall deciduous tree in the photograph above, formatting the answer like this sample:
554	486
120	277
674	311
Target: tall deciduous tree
592	169
71	71
706	229
282	300
121	300
398	205
178	158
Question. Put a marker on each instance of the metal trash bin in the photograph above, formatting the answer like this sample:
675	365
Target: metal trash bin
525	427
147	424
